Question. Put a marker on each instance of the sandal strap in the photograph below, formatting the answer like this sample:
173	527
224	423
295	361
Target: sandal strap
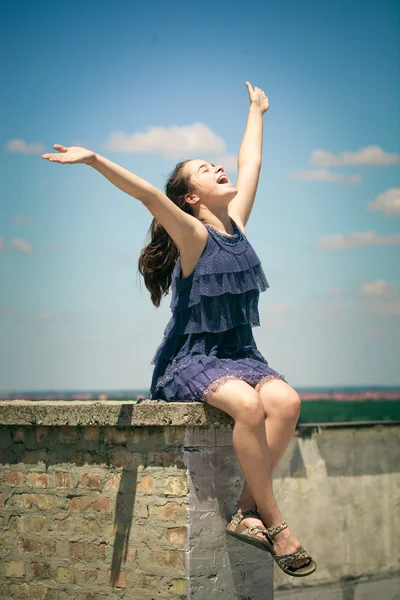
239	516
273	531
254	529
287	560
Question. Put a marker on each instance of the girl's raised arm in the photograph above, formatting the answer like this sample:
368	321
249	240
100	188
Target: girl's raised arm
122	178
179	225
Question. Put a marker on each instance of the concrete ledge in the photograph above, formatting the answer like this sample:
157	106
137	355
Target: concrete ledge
123	414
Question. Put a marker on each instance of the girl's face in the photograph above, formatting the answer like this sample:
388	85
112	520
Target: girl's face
210	182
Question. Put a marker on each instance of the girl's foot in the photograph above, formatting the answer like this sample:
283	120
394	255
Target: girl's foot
284	541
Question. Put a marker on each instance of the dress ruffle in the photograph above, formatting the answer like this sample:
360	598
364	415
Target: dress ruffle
188	379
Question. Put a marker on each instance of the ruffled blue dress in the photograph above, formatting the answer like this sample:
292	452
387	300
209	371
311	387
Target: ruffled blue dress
209	337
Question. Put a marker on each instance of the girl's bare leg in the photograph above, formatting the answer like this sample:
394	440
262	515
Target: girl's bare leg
282	407
244	404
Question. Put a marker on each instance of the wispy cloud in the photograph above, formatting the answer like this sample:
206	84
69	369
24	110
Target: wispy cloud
385	308
378	288
369	156
176	142
21	245
334	292
322	175
365	238
59	317
279	308
228	161
8	310
20	219
23	147
388	203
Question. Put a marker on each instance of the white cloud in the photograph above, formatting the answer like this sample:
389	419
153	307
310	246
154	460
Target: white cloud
322	175
228	161
378	288
365	238
370	155
2	245
20	219
176	142
23	147
21	245
388	202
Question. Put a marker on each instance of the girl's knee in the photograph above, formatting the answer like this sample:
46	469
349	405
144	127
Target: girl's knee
281	399
250	409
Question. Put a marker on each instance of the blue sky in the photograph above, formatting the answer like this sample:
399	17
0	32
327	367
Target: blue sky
74	312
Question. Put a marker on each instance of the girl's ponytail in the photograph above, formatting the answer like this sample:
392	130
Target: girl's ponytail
157	259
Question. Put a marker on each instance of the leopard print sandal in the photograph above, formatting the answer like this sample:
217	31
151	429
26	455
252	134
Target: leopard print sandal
284	561
249	534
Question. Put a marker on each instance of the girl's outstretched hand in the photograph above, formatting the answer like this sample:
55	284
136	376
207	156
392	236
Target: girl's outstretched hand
258	98
71	155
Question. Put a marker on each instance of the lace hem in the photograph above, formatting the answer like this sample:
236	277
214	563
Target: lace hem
215	385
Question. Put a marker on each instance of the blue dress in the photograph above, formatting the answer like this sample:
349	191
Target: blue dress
209	337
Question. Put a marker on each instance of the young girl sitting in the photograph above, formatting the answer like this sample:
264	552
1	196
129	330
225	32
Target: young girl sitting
199	249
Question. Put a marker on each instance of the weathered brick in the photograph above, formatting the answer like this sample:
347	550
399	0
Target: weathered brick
176	486
65	574
169	558
146	484
29	591
127	460
37	480
41	432
14	478
150	582
113	482
63	480
63	525
82	577
16	523
174	436
15	569
34	457
38	523
38	546
82	503
166	459
66	434
42	501
117	579
170	510
41	570
115	436
87	550
18	436
177	535
91	434
90	480
179	586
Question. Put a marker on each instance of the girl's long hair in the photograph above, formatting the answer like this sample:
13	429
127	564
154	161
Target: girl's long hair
158	258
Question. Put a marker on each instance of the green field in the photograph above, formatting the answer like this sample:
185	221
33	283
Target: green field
336	411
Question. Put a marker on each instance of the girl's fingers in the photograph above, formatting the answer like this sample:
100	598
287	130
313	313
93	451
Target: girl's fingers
60	147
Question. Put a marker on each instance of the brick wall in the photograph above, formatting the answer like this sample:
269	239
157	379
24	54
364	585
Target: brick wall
89	512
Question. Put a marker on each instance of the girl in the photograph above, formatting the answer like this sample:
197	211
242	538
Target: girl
199	248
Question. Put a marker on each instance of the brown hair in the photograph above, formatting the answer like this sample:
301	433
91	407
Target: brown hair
158	258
